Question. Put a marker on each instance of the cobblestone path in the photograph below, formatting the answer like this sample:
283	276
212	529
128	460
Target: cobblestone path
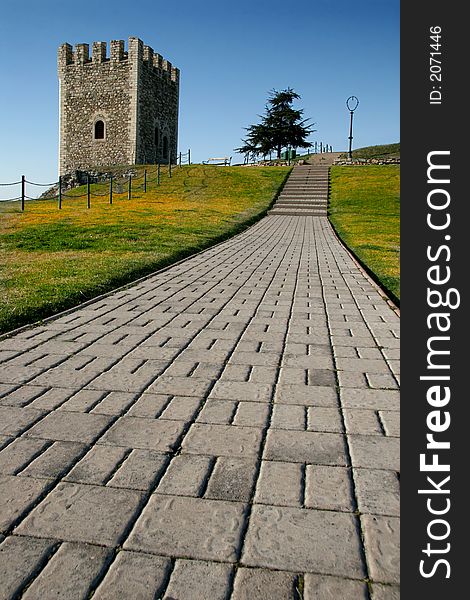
225	429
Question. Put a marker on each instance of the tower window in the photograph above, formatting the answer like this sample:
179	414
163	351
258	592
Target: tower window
99	130
165	147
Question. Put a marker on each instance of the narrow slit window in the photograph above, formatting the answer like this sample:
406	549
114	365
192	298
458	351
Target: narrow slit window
165	147
99	130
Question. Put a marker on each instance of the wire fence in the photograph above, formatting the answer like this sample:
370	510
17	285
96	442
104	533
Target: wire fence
103	185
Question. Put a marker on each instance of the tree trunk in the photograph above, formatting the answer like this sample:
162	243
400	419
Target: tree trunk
279	148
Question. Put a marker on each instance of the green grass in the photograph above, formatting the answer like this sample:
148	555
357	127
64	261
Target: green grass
383	151
54	259
365	211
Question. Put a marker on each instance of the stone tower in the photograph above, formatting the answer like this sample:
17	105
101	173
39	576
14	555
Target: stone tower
116	110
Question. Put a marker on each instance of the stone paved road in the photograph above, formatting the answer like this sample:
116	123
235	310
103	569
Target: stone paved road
227	428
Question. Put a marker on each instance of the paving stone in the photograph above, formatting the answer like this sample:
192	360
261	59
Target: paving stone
288	416
385	592
322	587
181	408
305	447
147	434
14	420
303	539
371	399
70	427
20	558
198	580
374	452
189	528
222	440
139	470
363	365
17	494
70	573
251	414
22	396
19	453
134	575
324	419
52	399
361	421
55	460
391	422
280	484
114	403
263	584
97	465
306	395
149	405
82	513
232	479
180	386
217	411
381	381
378	492
264	359
242	390
185	476
328	488
382	542
82	401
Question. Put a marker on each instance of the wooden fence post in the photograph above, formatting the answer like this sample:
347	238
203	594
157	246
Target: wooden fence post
22	191
88	202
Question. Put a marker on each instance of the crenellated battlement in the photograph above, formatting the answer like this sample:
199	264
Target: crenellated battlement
118	105
137	52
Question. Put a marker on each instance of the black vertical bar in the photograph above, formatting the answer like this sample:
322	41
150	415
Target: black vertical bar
145	180
60	191
350	134
22	191
180	159
189	156
169	167
129	189
110	189
158	174
88	202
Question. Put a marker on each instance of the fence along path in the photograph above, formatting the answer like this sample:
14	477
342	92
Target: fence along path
116	185
226	425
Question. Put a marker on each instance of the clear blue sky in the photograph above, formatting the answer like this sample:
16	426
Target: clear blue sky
230	52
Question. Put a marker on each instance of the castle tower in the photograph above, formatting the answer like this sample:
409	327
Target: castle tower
120	109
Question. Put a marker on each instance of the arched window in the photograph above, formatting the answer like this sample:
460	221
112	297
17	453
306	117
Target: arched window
165	147
99	130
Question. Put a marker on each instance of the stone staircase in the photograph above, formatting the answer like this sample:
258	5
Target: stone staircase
305	192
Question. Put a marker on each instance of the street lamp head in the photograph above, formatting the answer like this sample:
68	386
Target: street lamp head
352	103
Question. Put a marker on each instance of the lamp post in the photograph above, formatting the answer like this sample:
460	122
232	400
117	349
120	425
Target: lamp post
352	103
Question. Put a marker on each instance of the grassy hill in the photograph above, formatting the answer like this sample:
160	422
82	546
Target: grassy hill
54	259
383	151
365	211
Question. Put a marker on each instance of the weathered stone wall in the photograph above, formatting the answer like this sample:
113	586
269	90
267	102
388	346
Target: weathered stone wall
132	92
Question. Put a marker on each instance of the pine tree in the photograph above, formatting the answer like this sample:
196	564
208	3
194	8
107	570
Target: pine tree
282	126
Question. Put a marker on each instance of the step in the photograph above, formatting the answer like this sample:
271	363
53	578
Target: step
298	213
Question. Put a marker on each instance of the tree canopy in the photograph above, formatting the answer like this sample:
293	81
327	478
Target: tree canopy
282	126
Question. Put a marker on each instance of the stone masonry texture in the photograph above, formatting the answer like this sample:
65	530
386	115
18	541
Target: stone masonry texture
214	431
134	93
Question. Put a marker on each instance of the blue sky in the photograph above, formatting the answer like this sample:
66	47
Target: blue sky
231	53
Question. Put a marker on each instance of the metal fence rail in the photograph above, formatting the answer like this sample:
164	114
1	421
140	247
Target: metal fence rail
115	185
